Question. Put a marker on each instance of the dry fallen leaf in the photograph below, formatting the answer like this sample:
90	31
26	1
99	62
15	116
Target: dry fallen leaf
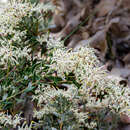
126	60
98	41
58	20
126	3
75	39
105	6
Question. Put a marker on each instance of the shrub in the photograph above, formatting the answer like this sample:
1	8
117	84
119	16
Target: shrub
67	89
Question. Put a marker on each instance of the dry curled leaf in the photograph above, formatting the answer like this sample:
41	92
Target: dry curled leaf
105	6
126	60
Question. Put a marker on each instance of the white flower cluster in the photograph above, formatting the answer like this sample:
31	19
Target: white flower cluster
93	79
82	63
11	54
25	127
6	120
13	121
9	19
12	45
46	94
54	42
97	91
114	100
16	10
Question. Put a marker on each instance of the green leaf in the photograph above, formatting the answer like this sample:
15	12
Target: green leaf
29	88
6	104
56	80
